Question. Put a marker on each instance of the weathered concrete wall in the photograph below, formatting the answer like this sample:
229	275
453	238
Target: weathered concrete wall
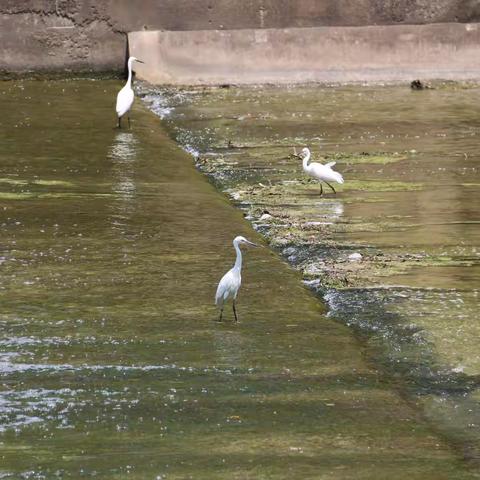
322	54
91	34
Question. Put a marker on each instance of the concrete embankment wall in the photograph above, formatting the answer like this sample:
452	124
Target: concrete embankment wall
322	54
59	35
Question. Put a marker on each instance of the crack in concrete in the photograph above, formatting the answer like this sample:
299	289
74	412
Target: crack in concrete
56	12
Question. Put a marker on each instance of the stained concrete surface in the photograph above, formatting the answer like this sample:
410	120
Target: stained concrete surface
81	35
297	55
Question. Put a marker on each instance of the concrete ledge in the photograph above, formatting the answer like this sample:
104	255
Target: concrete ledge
323	54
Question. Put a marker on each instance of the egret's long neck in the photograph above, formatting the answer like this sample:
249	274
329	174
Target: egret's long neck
129	80
238	261
306	158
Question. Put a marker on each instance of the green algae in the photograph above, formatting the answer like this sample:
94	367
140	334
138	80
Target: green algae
381	186
13	181
16	196
374	158
49	183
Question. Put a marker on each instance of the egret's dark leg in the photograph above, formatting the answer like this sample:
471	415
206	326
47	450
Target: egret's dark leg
331	187
321	188
221	315
119	122
235	311
128	116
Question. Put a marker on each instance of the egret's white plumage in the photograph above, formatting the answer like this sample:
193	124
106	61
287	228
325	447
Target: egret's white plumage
230	283
323	173
125	96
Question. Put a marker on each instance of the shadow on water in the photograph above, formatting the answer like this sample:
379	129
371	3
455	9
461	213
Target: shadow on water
407	358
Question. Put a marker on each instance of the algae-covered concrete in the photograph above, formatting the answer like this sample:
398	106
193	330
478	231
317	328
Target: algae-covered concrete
112	362
395	252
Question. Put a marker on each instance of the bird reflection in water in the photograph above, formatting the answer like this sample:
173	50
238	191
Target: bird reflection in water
123	154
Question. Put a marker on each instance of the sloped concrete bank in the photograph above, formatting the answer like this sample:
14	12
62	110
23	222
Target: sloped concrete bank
112	365
392	255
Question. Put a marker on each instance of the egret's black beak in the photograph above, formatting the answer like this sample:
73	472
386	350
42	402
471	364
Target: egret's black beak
140	61
253	244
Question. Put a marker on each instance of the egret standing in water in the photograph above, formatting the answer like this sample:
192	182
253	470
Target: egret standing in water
125	96
231	281
323	173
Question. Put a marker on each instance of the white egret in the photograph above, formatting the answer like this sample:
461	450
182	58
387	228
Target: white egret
125	96
323	173
230	283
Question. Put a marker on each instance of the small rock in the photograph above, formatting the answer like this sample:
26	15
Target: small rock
296	449
417	85
312	270
266	216
355	257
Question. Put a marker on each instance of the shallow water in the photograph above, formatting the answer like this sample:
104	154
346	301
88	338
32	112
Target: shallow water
409	206
111	362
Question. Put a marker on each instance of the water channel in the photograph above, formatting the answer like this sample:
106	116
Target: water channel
111	362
